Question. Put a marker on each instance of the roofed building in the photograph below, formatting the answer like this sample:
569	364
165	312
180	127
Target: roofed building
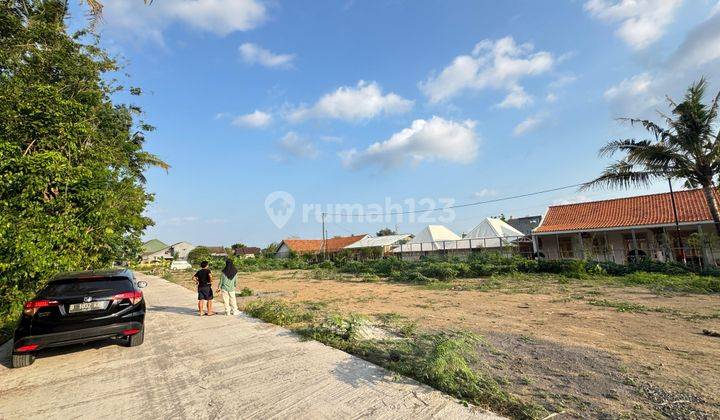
628	229
315	246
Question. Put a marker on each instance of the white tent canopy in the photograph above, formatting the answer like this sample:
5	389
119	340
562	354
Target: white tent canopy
371	242
432	238
493	233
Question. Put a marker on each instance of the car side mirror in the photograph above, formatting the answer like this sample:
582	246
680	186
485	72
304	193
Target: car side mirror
142	284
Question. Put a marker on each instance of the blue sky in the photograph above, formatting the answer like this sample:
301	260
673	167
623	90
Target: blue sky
359	102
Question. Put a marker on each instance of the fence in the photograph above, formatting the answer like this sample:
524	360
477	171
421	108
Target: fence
507	246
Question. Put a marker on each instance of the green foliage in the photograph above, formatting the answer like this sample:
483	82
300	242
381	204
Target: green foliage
246	291
277	312
71	160
198	255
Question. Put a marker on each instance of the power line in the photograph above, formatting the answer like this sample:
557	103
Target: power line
476	203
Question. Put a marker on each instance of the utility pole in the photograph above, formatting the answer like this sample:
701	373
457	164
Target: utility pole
677	222
323	237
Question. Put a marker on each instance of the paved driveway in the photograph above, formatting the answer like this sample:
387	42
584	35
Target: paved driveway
211	367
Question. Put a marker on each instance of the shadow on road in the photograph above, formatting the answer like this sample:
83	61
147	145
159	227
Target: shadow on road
6	350
174	310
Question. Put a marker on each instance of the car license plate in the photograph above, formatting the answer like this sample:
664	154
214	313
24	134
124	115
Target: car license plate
88	306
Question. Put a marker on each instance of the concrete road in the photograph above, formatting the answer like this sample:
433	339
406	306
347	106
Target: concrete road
211	367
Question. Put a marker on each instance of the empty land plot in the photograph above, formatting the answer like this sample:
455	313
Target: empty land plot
581	347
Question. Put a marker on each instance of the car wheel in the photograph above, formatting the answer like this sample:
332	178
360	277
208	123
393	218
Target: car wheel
136	339
22	360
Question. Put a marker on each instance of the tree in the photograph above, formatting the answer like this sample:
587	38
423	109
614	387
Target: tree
687	148
385	232
237	246
72	191
198	255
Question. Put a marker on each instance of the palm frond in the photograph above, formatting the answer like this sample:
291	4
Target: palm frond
658	132
621	146
622	174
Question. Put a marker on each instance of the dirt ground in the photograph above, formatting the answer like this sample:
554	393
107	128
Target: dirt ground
575	347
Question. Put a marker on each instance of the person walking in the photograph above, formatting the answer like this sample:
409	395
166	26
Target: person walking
203	279
227	287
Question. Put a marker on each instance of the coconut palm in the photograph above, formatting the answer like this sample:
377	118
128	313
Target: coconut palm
687	149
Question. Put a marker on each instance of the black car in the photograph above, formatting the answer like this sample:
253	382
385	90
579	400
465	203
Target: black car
78	308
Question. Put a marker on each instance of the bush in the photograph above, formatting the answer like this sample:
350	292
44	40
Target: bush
410	277
277	312
246	291
442	271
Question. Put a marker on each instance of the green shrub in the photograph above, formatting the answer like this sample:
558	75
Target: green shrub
246	291
277	312
413	277
442	271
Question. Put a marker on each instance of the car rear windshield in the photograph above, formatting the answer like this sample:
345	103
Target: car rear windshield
95	286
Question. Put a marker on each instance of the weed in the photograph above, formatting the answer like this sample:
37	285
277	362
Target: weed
277	312
246	291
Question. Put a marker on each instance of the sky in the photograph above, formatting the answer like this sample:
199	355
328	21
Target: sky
391	106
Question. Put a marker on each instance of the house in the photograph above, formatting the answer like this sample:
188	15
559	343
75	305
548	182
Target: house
626	229
383	243
246	251
178	251
432	239
217	251
315	246
154	250
525	224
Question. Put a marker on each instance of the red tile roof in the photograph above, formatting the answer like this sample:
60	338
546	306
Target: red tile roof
654	209
304	246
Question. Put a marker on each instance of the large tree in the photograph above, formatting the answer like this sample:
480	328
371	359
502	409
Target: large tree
686	147
71	160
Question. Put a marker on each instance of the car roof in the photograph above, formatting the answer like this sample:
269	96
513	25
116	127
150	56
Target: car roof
119	272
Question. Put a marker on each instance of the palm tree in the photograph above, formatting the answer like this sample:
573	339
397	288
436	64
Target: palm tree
688	149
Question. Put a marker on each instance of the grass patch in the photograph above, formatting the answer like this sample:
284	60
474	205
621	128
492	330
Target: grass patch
444	360
622	306
246	291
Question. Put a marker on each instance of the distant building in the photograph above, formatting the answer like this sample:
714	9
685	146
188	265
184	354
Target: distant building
525	224
315	246
217	251
156	252
630	229
247	251
384	243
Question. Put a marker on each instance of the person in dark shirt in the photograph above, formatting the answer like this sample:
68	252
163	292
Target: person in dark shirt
203	279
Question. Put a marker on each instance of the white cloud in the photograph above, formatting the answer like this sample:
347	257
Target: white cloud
580	198
257	119
638	87
179	220
362	102
485	192
551	98
701	44
255	54
424	140
517	98
294	146
499	64
528	124
642	22
220	17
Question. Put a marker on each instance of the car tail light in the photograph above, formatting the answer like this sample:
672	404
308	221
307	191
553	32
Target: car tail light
134	296
33	306
29	347
132	331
